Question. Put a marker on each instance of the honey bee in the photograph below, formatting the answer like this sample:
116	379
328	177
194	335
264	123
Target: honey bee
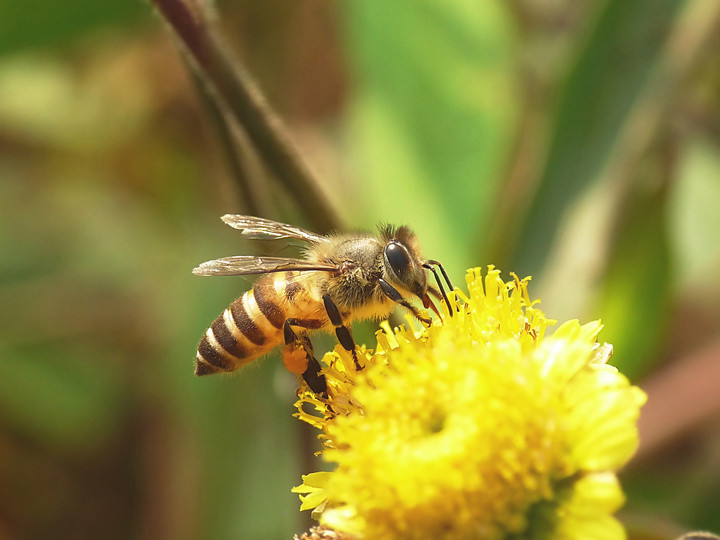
341	278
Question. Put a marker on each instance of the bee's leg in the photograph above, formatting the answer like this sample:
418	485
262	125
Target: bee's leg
341	331
429	266
298	354
393	294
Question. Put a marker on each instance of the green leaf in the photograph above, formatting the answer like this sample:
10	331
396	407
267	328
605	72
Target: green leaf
594	103
635	297
30	24
60	396
431	116
694	217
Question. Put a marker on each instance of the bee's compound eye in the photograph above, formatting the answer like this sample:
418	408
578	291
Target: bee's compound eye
398	258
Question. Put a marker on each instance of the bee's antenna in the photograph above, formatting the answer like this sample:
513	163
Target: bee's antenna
437	279
444	273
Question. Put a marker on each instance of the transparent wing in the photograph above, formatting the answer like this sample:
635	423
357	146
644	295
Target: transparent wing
245	265
262	229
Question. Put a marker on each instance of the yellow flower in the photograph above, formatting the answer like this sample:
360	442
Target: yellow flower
313	491
477	427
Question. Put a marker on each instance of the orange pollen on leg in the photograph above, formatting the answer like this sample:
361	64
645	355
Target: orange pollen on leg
295	359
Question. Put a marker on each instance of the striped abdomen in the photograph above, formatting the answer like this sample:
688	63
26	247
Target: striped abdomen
253	324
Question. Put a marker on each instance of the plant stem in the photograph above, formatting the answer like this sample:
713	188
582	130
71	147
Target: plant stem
235	90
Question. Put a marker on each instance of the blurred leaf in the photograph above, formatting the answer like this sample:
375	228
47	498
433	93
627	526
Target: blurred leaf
102	319
695	219
43	100
431	116
31	24
681	487
60	398
635	297
593	105
247	454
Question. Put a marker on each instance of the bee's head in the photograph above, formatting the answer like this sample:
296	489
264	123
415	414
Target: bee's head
403	263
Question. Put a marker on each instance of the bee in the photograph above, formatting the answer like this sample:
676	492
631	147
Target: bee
341	278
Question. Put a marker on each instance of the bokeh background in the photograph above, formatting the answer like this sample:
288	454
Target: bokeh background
574	141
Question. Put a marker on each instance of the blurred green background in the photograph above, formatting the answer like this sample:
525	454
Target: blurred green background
576	141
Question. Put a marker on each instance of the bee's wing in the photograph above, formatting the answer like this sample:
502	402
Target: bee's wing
262	229
245	265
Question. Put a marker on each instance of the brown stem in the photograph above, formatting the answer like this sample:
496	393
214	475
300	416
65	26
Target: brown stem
237	150
234	88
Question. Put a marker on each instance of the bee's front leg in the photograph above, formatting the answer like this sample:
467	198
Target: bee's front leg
299	357
393	294
341	331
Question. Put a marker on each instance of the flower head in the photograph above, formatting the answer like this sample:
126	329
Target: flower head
476	427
